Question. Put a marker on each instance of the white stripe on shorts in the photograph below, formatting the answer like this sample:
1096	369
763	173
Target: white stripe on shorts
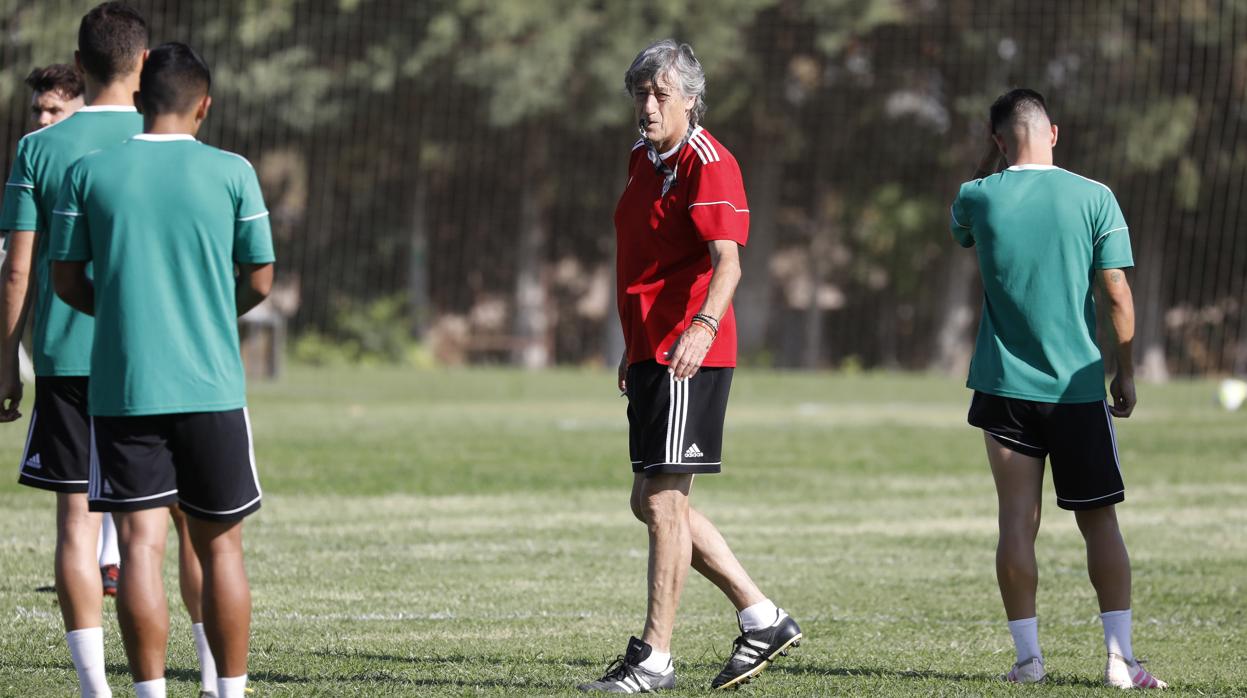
1112	432
30	436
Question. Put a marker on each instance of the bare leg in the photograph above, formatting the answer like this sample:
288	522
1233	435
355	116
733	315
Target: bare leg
75	562
664	502
141	608
1108	563
190	572
226	594
1019	491
715	561
712	557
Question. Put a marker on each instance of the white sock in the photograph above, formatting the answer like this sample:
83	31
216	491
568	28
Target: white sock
207	665
1117	633
233	687
150	689
107	548
657	662
86	648
1025	634
762	614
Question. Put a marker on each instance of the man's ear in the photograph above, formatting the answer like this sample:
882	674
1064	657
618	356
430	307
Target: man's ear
1054	135
201	113
1002	144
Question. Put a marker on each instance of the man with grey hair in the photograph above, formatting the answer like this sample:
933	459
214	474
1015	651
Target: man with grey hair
680	224
1045	236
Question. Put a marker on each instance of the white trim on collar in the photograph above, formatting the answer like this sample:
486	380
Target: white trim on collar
108	108
163	137
676	149
1023	168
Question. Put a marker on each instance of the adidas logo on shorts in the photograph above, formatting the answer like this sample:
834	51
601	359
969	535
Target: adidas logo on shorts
694	452
33	462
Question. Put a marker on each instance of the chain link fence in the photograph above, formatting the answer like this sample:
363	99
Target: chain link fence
446	170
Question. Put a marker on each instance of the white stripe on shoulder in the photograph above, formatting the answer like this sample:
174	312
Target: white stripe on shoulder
19	185
71	214
720	203
640	143
702	154
1109	232
240	158
1088	179
710	149
41	130
244	219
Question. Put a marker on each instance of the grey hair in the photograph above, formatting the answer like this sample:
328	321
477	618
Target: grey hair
676	61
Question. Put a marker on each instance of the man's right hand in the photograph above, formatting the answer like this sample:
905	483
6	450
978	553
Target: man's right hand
10	397
1124	399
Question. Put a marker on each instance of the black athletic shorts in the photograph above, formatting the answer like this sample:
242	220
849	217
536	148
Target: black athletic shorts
202	461
58	444
676	426
1077	438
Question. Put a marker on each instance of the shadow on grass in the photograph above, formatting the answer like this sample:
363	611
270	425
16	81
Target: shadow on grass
874	672
457	659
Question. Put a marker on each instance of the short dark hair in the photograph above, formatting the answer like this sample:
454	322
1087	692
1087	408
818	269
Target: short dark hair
173	79
60	78
1014	103
110	39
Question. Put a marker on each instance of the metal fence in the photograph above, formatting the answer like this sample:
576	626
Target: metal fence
447	169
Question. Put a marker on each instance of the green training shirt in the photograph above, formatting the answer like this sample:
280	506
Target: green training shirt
164	218
62	335
1041	233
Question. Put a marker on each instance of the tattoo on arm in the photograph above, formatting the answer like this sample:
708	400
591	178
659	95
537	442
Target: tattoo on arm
1114	277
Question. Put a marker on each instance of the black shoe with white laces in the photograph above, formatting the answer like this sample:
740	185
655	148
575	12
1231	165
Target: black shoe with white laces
754	650
626	675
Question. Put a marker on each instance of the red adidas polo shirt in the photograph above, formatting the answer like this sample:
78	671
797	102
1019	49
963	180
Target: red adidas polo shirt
663	258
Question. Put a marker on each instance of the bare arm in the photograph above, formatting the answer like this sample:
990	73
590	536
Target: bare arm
692	346
254	283
1115	291
16	292
72	285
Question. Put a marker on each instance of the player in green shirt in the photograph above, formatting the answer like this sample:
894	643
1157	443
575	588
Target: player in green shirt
1044	238
166	220
112	40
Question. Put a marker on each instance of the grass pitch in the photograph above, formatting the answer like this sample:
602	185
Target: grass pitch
467	533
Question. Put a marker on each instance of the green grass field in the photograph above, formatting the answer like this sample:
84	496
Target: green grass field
467	533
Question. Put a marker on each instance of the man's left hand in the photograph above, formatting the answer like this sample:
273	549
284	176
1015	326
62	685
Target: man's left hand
690	350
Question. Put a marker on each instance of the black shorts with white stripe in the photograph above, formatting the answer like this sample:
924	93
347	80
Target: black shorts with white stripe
1077	438
676	426
58	443
202	461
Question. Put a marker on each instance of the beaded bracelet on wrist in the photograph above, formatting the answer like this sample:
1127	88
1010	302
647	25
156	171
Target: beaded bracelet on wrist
708	321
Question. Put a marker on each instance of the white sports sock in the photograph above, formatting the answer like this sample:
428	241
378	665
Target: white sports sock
762	614
1117	633
1025	634
657	662
86	648
207	665
107	549
233	687
150	689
